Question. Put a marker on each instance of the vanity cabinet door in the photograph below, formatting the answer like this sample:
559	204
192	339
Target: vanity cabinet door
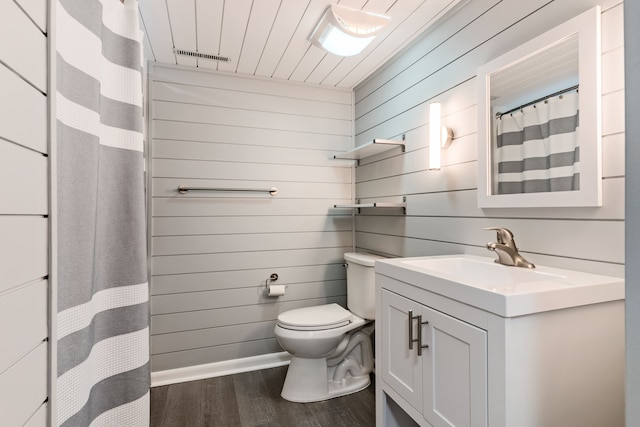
401	366
455	372
446	381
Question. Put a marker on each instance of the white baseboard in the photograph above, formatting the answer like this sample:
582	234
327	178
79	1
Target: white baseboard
219	369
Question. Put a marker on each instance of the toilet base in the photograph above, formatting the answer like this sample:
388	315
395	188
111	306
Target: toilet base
307	381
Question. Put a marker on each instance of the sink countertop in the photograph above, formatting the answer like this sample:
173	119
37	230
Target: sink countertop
503	290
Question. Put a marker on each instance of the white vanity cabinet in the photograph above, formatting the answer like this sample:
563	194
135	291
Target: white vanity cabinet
435	362
528	367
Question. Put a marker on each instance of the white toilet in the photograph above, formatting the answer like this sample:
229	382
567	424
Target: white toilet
330	347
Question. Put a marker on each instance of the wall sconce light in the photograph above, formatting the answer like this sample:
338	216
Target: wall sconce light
439	136
346	32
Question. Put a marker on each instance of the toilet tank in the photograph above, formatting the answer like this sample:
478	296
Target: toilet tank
361	285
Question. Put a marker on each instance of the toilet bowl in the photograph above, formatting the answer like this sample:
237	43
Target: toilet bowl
330	346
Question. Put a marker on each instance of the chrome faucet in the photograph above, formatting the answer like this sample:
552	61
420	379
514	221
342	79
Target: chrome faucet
506	249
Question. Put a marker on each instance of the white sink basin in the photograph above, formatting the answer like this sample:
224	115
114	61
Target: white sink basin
483	273
503	290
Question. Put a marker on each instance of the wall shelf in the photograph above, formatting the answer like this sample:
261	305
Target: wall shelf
359	206
369	149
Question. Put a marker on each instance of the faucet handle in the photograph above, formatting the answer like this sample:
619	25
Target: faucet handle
503	235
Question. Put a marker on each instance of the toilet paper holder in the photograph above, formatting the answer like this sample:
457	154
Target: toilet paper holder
274	290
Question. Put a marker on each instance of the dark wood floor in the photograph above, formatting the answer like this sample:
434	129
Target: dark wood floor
253	399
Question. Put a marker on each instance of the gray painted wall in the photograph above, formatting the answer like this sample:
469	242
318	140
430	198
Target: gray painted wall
632	110
212	252
24	222
442	214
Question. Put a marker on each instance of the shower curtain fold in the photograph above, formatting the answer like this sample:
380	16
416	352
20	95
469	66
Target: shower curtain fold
103	296
537	147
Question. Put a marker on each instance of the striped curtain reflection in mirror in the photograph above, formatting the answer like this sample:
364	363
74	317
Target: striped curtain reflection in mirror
103	326
537	147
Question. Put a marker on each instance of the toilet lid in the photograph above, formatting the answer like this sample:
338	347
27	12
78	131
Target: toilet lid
319	317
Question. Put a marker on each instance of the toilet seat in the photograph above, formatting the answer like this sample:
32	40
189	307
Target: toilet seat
317	318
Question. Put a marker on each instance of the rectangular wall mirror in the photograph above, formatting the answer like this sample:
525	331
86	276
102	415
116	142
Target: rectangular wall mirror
539	128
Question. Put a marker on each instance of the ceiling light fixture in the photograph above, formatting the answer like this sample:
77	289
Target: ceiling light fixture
346	32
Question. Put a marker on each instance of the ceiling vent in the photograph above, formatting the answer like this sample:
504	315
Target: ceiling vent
201	55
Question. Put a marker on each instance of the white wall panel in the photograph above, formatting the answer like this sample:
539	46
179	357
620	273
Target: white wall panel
454	103
23	253
194	320
240	297
26	307
184	226
464	204
462	151
449	178
205	132
612	28
613	156
442	213
193	150
613	70
191	76
200	338
613	113
226	206
37	11
24	119
408	246
167	168
179	264
39	419
23	387
214	96
246	118
24	209
24	177
212	252
28	57
254	242
238	279
570	238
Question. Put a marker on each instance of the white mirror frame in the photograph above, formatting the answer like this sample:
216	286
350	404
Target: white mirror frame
587	27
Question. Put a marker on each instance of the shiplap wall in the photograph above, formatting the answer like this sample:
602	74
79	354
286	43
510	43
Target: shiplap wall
23	213
442	213
211	253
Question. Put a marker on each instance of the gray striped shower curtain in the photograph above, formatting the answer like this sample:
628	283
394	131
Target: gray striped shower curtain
102	320
537	147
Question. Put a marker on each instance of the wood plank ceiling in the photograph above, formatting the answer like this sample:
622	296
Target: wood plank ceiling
269	38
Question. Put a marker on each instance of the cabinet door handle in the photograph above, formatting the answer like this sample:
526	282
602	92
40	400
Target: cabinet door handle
420	346
411	340
417	340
